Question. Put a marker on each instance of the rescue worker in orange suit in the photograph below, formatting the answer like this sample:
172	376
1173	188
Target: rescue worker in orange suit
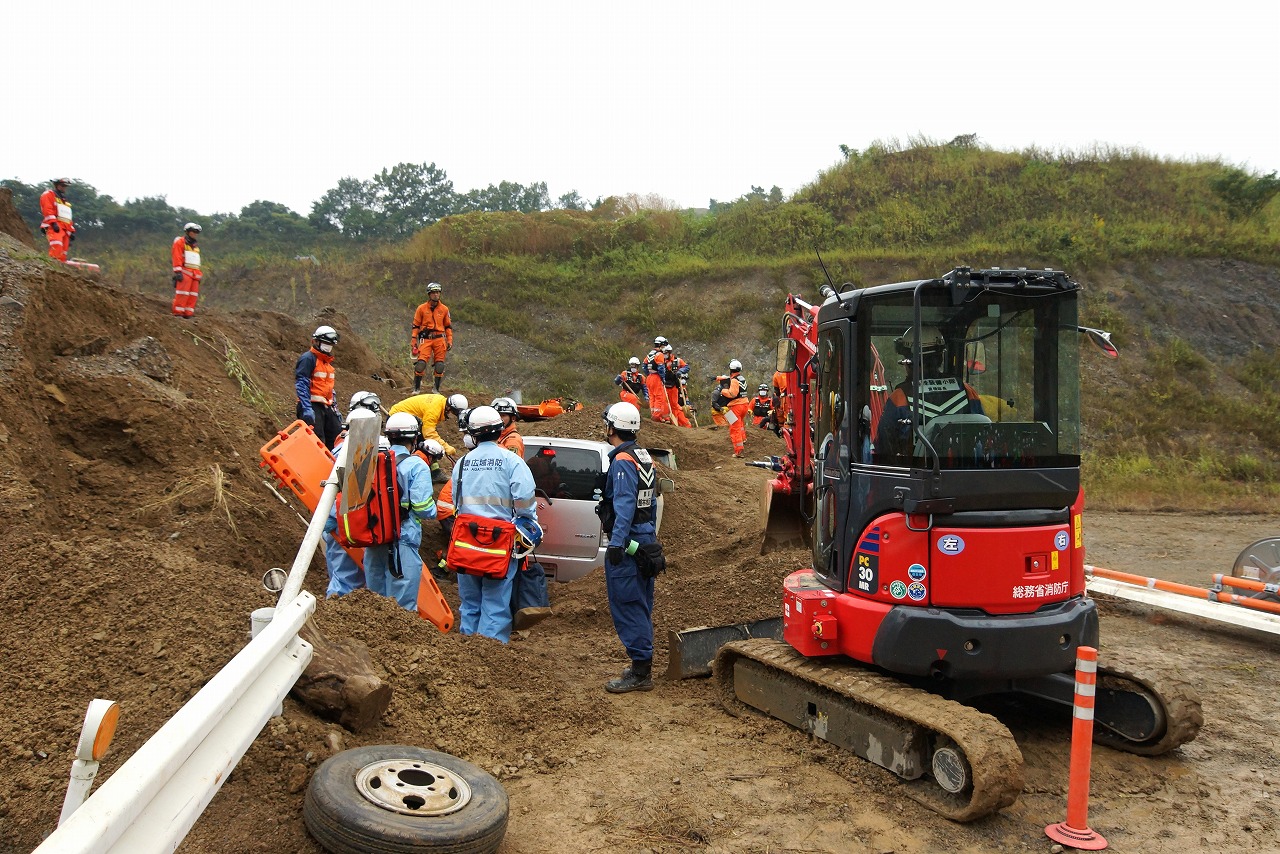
675	369
941	394
732	396
655	374
631	383
510	437
430	338
55	219
432	410
186	271
761	406
313	380
781	406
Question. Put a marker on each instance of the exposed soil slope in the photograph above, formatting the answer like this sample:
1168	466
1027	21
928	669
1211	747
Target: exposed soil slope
139	527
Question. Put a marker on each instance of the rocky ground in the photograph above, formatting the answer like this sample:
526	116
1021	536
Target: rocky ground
139	526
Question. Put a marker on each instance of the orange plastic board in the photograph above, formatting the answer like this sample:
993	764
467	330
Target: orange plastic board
432	606
300	461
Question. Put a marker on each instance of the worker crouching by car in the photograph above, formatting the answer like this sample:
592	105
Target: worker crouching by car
627	515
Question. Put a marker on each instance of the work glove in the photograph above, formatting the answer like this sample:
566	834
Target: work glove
448	347
414	351
71	238
177	278
53	226
614	554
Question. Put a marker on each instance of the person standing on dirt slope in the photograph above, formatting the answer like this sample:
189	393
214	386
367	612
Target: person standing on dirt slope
432	410
345	575
732	396
493	483
655	373
56	220
631	383
186	271
676	369
313	380
510	437
431	337
395	570
627	516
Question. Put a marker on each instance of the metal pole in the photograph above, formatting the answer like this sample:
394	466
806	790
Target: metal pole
315	529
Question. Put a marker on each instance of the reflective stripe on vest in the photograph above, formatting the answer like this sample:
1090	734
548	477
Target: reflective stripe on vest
191	258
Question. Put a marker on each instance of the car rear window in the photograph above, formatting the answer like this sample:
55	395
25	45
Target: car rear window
565	472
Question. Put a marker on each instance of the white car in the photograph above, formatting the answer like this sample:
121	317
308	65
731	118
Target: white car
568	479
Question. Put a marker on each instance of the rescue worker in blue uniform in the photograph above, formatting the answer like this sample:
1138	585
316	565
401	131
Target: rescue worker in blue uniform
313	381
345	575
627	513
395	570
493	483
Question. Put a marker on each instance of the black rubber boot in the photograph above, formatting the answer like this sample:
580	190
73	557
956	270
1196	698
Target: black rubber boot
417	385
438	384
637	677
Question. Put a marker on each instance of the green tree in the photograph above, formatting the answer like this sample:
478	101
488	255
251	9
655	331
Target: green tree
506	196
411	196
349	208
1243	193
571	201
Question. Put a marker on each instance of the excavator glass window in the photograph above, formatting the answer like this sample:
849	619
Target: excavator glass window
989	383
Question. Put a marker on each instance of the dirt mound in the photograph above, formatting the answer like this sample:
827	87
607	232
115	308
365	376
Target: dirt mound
139	526
11	222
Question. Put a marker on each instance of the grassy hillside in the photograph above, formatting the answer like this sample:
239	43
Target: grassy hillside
1180	260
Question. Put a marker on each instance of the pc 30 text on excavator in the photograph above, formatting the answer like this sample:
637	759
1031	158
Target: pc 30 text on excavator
933	467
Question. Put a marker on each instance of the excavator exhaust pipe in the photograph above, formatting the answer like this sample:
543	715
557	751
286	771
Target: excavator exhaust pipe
784	521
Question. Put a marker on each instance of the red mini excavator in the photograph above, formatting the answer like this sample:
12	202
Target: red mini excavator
933	469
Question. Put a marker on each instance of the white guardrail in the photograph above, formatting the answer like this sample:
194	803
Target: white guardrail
152	801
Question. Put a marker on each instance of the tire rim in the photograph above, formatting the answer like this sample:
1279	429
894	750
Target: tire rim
413	787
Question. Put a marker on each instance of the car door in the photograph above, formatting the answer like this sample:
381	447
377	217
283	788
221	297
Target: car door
567	482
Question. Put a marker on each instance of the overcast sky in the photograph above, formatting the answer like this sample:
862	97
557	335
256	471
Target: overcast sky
217	104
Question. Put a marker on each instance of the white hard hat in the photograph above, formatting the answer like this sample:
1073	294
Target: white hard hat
327	334
633	362
432	448
384	444
191	226
623	416
660	342
484	423
735	365
365	400
457	403
403	428
505	406
434	288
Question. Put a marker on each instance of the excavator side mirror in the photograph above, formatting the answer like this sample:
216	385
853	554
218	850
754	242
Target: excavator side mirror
1100	339
786	361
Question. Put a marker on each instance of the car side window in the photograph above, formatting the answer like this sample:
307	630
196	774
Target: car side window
564	472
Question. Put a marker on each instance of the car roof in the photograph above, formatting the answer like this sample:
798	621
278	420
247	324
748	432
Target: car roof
558	442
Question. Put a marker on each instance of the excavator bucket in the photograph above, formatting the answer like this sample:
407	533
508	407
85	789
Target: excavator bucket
783	519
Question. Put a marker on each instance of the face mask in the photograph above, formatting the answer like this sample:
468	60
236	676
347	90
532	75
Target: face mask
468	442
326	348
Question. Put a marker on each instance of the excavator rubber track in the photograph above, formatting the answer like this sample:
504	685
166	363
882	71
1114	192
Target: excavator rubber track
924	739
1178	701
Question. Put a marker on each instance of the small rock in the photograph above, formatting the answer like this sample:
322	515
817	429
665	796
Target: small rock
297	778
719	816
334	742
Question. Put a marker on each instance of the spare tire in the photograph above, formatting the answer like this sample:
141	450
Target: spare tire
404	800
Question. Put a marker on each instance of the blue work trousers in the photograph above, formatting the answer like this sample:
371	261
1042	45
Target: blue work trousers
377	572
631	604
345	574
484	606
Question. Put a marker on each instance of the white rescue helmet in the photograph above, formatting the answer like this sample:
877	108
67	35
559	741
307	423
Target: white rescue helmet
505	406
623	416
484	423
735	365
660	342
458	403
403	428
764	388
434	288
432	448
633	362
528	536
325	334
365	400
191	226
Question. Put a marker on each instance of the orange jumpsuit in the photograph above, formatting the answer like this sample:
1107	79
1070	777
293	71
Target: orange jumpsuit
186	263
761	401
658	403
429	339
56	223
739	405
511	439
674	364
781	403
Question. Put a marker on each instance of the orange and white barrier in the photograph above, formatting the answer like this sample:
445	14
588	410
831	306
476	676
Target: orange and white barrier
1218	605
1075	831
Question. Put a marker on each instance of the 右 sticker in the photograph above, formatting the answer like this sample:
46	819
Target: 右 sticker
950	544
916	591
1060	541
897	590
916	572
